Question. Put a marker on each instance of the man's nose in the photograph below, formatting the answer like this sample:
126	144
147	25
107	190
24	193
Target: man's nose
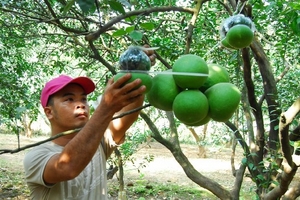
80	105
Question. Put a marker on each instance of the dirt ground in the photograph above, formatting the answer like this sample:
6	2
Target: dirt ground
163	169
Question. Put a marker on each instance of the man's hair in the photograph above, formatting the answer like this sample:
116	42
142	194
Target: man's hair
50	101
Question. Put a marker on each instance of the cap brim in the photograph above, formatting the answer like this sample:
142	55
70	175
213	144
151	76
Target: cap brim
87	84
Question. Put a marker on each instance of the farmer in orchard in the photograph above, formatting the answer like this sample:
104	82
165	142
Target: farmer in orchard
74	166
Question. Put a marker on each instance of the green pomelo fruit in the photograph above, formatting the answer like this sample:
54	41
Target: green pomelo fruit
201	122
239	36
163	92
190	106
192	64
223	100
225	43
216	74
145	78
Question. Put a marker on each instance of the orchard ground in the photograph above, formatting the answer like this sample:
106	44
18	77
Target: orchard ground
162	178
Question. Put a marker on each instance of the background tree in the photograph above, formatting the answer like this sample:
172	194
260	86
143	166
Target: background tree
43	39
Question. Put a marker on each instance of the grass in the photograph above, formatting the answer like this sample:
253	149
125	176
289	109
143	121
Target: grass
12	183
142	189
13	186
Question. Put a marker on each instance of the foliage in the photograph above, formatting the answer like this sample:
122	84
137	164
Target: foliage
46	38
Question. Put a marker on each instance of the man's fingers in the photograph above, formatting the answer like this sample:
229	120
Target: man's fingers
152	59
150	53
118	83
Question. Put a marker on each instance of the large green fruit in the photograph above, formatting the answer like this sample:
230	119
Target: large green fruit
190	106
216	74
163	92
145	78
201	122
192	64
223	100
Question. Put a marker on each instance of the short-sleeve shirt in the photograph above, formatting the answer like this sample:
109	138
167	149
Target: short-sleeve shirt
90	184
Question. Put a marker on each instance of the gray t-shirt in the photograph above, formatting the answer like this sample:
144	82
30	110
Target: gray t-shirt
90	184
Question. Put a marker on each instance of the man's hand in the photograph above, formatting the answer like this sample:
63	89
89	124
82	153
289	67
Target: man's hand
118	95
150	54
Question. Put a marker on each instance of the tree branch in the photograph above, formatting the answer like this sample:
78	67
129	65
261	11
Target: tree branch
95	35
286	119
253	171
270	90
285	179
3	151
188	168
100	58
256	109
235	192
155	131
191	26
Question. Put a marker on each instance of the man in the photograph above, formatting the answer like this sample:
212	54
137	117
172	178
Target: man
74	166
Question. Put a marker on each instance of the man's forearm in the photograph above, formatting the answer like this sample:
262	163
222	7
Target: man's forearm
119	126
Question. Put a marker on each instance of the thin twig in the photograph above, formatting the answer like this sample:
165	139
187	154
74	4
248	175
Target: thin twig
3	151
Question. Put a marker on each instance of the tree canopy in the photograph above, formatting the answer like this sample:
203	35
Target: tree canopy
41	39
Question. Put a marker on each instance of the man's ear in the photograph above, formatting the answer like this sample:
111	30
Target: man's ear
49	112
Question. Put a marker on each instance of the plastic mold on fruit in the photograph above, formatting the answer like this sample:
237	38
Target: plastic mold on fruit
235	20
134	58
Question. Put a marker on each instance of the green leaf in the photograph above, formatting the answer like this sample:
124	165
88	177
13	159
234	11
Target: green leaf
297	144
119	32
260	177
244	161
295	25
147	26
68	6
116	6
129	29
251	166
85	5
295	5
136	35
130	19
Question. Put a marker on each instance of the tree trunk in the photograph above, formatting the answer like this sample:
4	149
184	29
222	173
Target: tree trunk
202	152
173	145
270	92
27	125
122	192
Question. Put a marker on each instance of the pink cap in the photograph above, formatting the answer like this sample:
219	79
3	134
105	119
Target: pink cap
58	83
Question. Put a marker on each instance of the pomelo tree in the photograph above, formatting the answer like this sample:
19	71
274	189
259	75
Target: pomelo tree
43	38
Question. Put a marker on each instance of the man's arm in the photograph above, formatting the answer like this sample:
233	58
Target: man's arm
119	126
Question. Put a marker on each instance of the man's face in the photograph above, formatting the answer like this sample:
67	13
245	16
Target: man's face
69	108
